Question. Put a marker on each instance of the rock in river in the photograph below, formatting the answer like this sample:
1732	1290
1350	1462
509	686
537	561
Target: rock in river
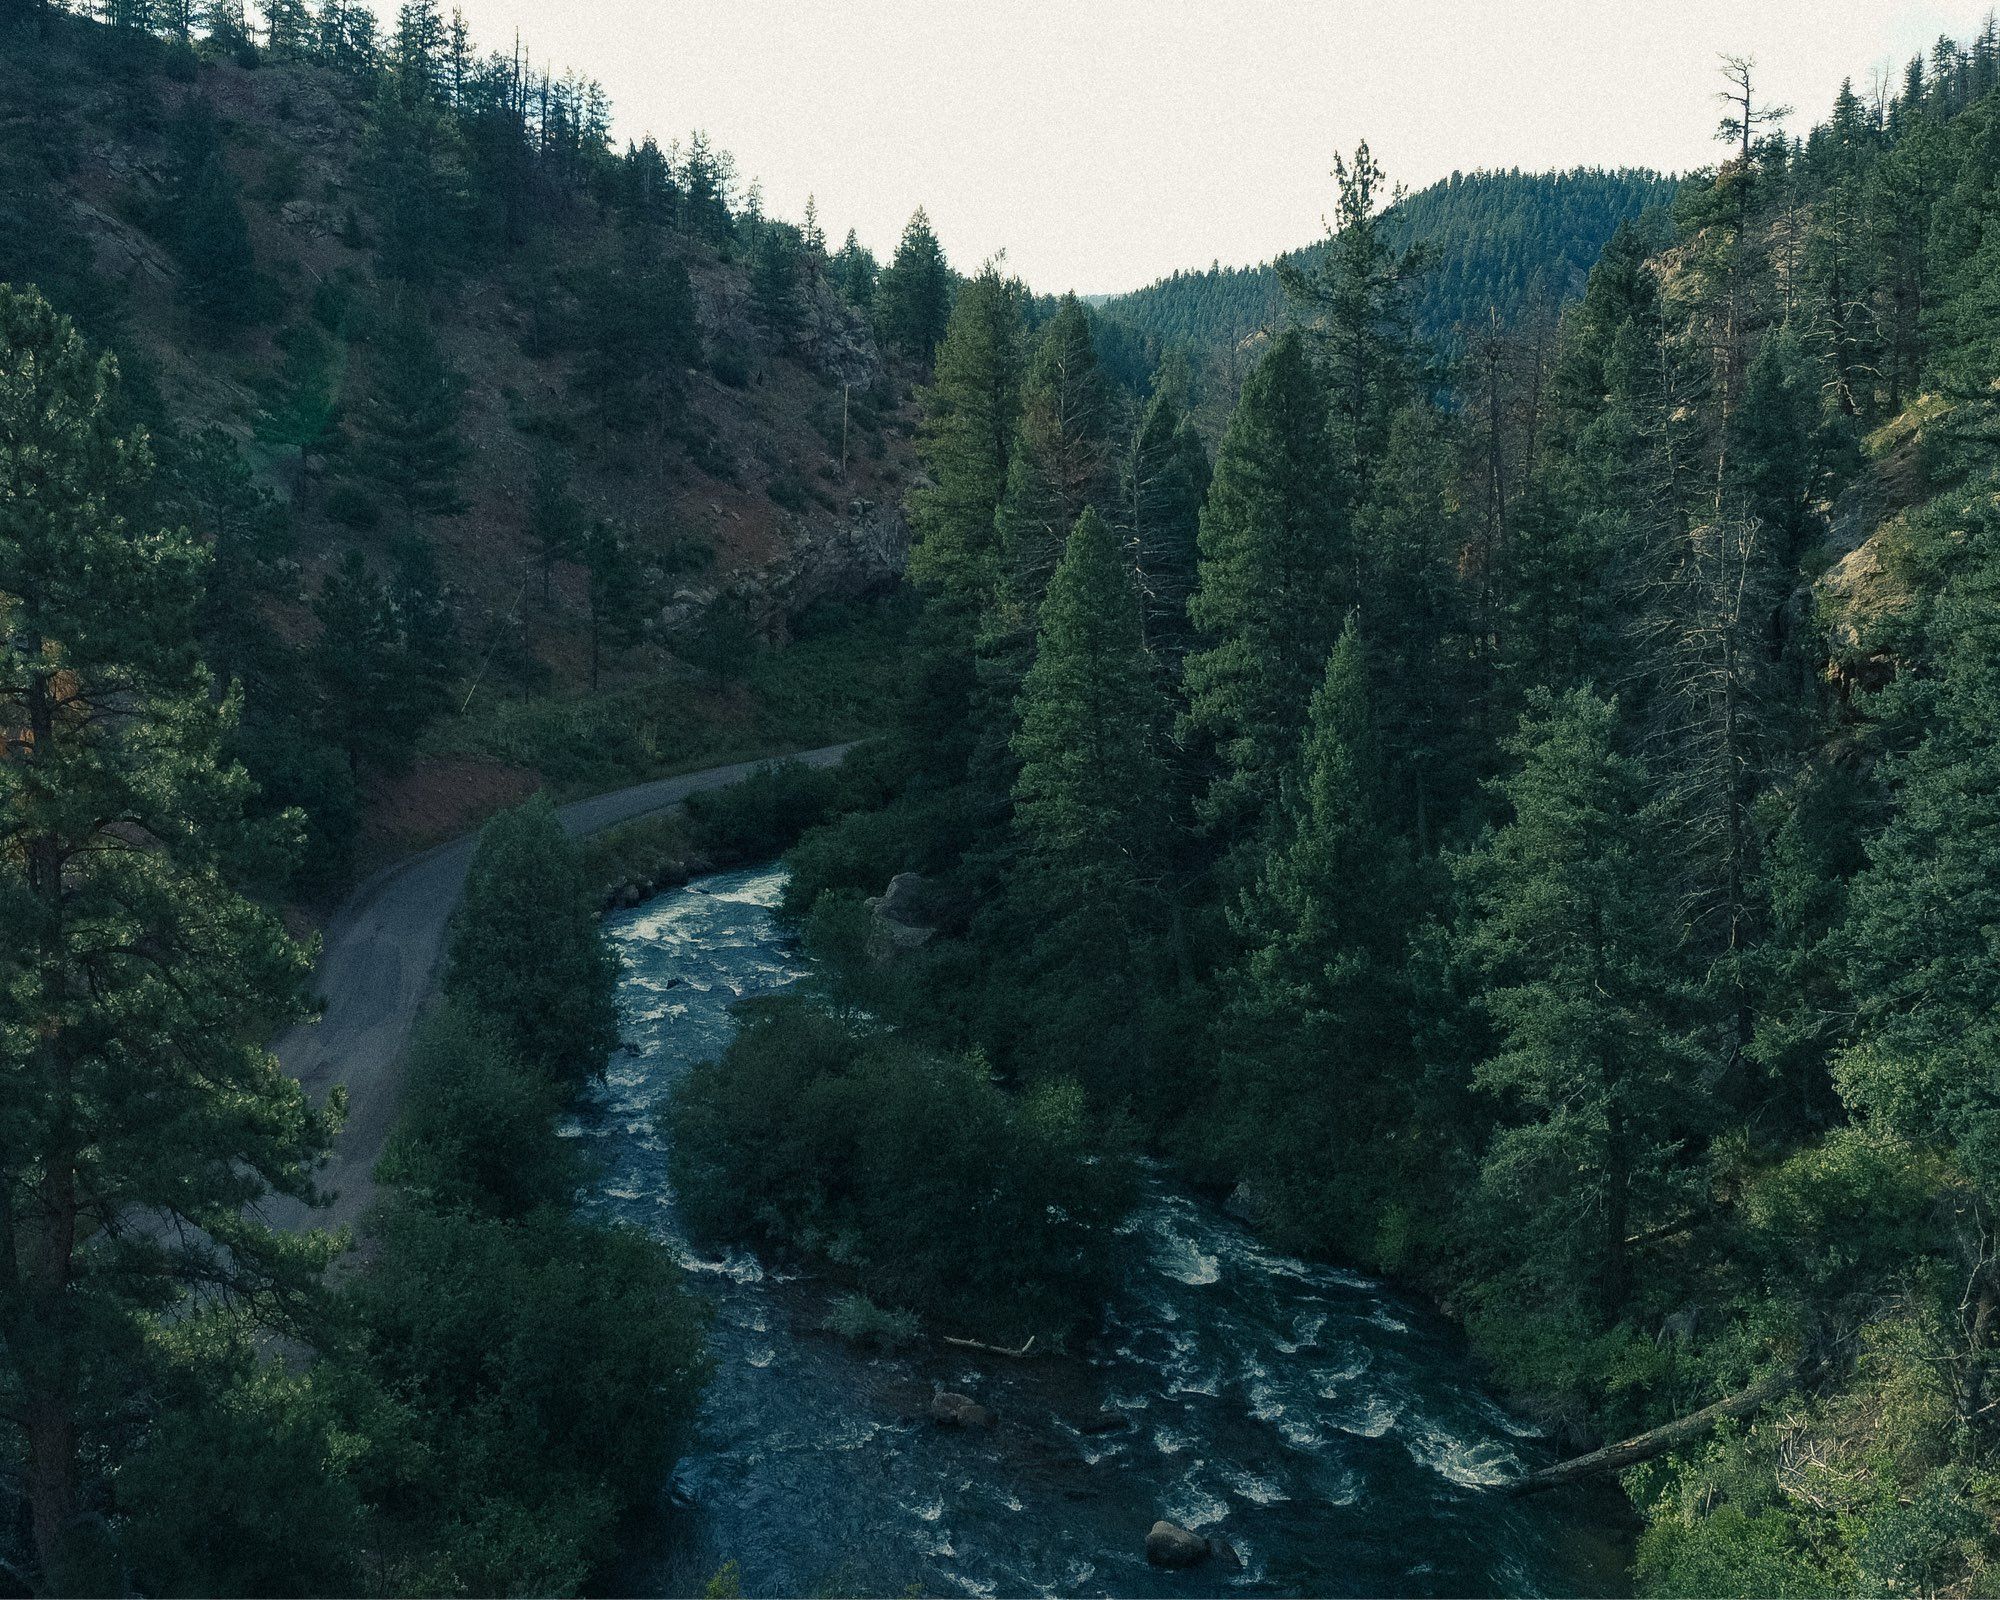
959	1410
1170	1545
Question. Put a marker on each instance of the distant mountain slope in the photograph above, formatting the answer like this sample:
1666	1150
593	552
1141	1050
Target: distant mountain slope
1508	240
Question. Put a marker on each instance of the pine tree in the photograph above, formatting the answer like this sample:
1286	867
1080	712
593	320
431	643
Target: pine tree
130	1086
641	332
1085	800
914	295
1926	1061
1409	542
1057	468
409	420
1782	449
964	443
555	520
618	594
413	158
970	412
209	233
1166	481
375	694
421	42
1268	593
1571	931
774	282
1060	466
704	181
287	27
1315	1030
304	414
1357	303
812	239
854	273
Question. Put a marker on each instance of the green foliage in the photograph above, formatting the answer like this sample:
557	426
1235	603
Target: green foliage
756	819
205	211
913	297
909	1173
1267	599
545	1371
859	1320
525	950
409	420
1571	934
379	677
1087	815
1314	1036
131	964
640	330
473	1137
1357	304
1507	242
245	1484
1927	1054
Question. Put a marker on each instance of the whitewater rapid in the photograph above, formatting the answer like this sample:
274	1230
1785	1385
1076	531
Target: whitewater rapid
1329	1429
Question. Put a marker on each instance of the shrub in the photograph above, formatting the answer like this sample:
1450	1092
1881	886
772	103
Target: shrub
788	490
908	1171
757	818
548	1371
859	1320
475	1130
352	507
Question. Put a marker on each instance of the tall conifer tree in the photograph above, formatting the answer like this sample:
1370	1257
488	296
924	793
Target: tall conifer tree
1086	801
130	1084
1268	596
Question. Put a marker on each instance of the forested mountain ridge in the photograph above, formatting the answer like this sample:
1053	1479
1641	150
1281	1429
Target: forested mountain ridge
1509	243
592	426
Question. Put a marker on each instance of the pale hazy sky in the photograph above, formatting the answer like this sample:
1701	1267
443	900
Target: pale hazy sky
1103	143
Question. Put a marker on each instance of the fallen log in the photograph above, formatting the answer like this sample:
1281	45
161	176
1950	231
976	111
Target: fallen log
1027	1349
1657	1441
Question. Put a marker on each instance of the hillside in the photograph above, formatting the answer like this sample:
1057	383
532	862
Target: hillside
651	438
1508	243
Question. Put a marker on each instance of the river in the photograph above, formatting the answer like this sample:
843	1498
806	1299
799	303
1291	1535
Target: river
1330	1429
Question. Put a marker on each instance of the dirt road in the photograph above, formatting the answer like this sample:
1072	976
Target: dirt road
376	969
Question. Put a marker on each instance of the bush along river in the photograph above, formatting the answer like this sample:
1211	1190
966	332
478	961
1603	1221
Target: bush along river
1330	1432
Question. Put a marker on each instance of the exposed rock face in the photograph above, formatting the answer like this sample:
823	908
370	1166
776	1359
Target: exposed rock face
1170	1545
959	1411
861	553
1242	1203
1854	597
897	915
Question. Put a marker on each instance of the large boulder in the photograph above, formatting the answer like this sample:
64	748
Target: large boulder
896	915
1171	1545
959	1411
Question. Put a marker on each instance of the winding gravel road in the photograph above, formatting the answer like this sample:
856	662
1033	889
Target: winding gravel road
376	968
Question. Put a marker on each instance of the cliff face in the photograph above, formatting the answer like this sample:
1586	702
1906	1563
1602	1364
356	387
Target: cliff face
767	486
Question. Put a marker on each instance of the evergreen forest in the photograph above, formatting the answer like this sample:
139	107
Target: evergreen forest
1470	746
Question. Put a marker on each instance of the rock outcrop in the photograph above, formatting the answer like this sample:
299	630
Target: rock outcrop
859	554
897	918
959	1410
1171	1545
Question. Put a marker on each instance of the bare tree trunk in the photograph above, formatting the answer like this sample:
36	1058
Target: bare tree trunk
1657	1441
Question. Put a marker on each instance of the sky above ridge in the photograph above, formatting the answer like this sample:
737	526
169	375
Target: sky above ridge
1103	143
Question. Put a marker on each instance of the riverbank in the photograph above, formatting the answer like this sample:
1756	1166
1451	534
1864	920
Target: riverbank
1325	1425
